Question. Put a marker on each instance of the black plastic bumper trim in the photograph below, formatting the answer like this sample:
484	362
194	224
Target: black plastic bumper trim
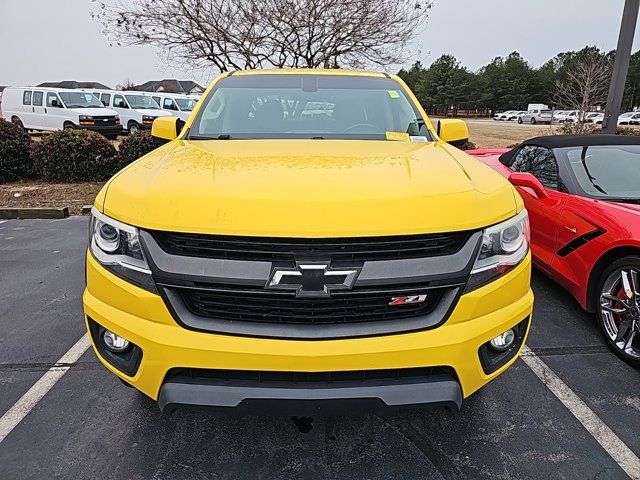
106	129
310	401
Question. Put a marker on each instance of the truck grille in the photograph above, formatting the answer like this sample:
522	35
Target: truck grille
104	120
283	308
286	249
306	379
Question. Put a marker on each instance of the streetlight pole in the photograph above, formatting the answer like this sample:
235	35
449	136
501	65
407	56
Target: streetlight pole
620	65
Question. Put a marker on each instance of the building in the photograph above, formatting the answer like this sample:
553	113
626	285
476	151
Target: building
170	86
72	84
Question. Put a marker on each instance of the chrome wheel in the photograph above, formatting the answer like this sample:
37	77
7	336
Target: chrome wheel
620	310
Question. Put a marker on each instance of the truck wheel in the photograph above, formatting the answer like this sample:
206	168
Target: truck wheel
17	121
618	308
68	126
520	121
133	127
533	121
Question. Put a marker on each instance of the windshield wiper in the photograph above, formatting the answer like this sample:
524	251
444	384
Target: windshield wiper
626	200
592	179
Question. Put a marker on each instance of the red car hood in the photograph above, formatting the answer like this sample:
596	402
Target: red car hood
491	156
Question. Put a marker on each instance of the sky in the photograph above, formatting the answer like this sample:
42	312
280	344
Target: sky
54	40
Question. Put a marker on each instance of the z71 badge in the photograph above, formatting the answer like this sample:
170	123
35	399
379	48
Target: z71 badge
407	300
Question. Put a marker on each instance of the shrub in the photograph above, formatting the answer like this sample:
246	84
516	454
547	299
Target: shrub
569	128
628	131
133	147
15	153
74	156
469	145
590	129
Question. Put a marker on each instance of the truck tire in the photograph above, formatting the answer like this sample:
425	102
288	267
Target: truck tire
18	122
133	127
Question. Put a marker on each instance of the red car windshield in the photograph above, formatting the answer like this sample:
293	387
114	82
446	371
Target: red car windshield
608	171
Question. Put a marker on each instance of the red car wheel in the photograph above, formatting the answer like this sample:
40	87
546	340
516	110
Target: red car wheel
619	308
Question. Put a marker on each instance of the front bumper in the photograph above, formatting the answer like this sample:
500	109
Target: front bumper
303	399
103	129
143	319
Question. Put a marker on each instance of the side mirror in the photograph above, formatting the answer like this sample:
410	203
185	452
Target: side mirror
55	103
453	131
527	180
165	129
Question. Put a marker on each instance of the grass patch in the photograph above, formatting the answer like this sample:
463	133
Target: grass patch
40	194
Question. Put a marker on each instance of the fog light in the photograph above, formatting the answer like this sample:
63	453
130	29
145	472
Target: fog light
504	341
114	342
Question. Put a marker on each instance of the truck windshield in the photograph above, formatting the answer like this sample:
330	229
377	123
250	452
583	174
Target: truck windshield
141	102
80	100
610	172
186	104
308	106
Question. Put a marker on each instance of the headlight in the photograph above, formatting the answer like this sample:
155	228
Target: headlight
503	247
116	246
148	119
86	117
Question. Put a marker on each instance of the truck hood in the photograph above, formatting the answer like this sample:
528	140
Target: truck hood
308	188
97	112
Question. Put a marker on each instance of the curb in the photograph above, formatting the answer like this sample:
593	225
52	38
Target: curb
35	212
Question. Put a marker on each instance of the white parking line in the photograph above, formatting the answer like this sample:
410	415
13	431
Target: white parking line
623	455
25	404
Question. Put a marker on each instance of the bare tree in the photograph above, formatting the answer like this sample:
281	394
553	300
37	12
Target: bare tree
127	84
585	86
241	34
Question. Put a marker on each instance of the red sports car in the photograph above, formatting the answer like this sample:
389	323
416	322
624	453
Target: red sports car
583	198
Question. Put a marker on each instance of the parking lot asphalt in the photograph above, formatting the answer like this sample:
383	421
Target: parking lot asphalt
91	426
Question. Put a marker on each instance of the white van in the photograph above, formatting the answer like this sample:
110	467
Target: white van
36	108
179	105
137	110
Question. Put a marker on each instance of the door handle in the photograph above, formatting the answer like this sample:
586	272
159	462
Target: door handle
33	109
45	111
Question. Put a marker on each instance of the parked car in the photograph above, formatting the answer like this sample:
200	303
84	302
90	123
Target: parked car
634	119
504	115
260	258
46	109
594	117
557	114
568	116
583	197
625	117
179	105
137	110
515	115
535	116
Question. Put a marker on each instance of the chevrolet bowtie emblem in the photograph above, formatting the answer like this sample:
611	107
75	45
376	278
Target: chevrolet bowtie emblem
312	280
